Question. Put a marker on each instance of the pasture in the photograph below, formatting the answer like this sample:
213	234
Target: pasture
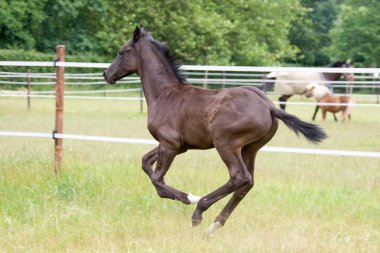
104	202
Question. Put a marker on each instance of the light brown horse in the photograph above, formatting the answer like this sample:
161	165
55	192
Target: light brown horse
323	95
236	121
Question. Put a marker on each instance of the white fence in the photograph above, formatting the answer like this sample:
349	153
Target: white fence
221	76
153	142
233	71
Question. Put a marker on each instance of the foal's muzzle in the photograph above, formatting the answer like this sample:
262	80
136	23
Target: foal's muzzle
107	79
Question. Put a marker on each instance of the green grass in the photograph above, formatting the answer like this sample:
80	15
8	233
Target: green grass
103	202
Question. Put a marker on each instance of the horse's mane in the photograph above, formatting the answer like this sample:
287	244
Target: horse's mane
171	59
338	64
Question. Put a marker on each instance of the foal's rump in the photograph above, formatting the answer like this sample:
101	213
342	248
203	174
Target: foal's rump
291	83
311	132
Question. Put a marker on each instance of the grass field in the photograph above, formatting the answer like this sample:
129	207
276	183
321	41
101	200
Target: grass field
103	202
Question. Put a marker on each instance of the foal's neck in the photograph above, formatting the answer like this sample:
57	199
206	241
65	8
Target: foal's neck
155	73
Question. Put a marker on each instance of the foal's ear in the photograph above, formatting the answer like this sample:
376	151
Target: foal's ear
138	33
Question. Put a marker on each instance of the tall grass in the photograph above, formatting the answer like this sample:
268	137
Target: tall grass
103	202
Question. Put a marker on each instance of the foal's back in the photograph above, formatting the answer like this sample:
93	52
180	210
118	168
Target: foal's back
202	117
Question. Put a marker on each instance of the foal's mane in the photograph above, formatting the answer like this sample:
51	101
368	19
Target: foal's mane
171	60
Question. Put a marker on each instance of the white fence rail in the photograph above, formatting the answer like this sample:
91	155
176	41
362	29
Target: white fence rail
153	142
191	70
23	95
199	68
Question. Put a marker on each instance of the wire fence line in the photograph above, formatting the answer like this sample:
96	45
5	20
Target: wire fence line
53	135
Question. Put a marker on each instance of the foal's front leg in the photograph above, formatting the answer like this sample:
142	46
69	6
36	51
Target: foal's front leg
164	158
148	160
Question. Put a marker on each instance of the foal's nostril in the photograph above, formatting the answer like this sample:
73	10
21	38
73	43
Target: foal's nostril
104	74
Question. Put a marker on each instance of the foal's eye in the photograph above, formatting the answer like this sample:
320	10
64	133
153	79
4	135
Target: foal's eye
121	52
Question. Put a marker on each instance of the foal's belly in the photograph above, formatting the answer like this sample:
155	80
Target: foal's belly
196	137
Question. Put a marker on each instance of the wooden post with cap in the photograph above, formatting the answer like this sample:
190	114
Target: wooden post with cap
59	90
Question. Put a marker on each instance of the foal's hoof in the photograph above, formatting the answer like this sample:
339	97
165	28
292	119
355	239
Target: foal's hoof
211	229
196	222
196	219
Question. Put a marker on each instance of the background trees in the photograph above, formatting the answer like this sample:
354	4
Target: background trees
310	33
220	32
357	33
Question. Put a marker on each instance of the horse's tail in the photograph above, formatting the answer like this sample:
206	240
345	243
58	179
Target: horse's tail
311	132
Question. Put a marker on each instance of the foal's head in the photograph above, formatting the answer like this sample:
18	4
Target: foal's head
126	62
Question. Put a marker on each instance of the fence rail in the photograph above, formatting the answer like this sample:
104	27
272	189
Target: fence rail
213	71
198	68
153	142
142	98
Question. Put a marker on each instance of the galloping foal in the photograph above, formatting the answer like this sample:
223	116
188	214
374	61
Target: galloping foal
236	121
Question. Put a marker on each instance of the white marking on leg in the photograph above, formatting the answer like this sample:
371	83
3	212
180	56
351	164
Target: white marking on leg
193	198
214	226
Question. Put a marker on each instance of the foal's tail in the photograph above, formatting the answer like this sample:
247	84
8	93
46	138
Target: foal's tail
311	132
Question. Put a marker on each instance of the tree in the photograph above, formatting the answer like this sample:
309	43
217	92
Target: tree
18	22
311	33
219	32
356	34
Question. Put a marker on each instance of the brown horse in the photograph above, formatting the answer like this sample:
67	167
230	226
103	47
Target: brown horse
236	121
323	95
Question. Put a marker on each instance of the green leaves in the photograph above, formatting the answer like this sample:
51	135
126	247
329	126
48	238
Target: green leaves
310	33
356	34
216	32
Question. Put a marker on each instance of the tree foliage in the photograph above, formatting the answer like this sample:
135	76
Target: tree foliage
220	32
357	33
200	32
311	32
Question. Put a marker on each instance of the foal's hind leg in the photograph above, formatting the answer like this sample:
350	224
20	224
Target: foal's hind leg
249	155
239	177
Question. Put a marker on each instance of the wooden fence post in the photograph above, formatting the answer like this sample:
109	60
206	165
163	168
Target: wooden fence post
59	90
